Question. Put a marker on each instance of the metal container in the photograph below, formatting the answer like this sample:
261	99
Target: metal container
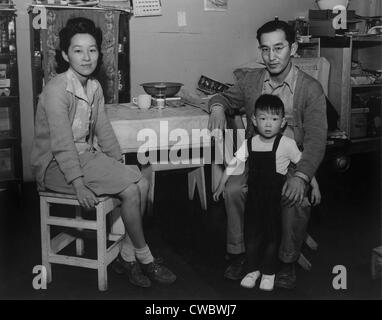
162	89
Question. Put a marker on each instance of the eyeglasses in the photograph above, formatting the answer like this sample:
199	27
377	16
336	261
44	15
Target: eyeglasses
276	49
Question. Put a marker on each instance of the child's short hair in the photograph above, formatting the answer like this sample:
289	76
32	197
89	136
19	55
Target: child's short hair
269	102
73	27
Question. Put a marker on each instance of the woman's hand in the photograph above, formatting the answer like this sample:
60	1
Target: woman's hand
86	197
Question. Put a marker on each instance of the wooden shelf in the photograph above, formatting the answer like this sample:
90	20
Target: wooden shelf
11	170
8	55
367	144
8	99
374	85
8	138
367	38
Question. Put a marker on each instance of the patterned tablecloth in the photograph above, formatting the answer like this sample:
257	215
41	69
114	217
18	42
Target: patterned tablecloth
157	129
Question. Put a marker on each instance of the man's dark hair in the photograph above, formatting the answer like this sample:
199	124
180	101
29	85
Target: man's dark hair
269	102
274	25
73	27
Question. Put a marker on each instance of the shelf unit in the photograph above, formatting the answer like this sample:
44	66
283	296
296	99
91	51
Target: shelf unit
114	73
357	104
309	49
10	136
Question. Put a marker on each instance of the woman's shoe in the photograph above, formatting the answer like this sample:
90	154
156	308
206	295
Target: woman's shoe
159	273
133	271
249	281
267	282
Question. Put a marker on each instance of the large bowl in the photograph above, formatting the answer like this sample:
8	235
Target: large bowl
330	4
160	89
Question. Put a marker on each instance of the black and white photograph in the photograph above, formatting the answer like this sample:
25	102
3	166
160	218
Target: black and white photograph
190	157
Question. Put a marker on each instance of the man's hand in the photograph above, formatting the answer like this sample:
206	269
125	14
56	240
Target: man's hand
219	192
86	197
293	191
217	119
315	198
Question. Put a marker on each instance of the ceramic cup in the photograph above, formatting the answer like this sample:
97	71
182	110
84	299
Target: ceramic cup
143	101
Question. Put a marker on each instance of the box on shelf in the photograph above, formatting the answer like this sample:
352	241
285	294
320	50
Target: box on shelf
5	120
328	14
6	163
358	126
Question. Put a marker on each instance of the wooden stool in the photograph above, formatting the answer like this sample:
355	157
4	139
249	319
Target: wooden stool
51	247
376	263
196	179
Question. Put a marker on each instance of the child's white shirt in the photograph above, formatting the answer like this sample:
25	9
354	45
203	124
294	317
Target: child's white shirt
286	152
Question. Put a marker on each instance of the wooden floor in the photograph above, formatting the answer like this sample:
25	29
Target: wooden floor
347	226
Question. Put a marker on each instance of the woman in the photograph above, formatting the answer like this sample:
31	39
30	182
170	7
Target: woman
66	158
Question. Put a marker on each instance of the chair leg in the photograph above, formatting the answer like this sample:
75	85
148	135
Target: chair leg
101	248
196	179
304	262
216	174
311	243
45	238
191	184
201	185
79	241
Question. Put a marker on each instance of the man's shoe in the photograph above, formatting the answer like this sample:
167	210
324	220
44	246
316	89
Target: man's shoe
133	271
235	270
158	272
286	278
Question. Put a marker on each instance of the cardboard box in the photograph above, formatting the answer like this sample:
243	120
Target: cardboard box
358	126
324	28
329	15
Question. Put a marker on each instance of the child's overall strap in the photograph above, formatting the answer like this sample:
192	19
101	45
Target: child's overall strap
249	145
276	142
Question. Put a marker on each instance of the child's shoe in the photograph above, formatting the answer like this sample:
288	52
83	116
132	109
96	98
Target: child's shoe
267	282
249	280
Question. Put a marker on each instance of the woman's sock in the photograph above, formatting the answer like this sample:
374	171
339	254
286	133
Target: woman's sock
127	250
144	255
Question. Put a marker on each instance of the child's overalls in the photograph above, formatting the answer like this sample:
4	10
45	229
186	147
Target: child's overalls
262	223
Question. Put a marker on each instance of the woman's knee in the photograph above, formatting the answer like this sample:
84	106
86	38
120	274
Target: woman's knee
143	185
131	193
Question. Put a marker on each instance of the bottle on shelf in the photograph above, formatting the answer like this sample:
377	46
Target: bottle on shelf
12	36
4	41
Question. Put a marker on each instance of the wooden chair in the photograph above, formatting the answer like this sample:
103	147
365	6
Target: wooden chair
51	247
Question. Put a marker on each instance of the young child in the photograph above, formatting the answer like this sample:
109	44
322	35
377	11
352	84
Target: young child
65	159
269	154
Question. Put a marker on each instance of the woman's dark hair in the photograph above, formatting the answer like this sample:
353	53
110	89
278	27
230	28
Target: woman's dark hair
268	102
73	27
274	25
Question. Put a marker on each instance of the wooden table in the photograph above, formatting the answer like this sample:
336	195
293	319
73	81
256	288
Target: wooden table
171	126
128	122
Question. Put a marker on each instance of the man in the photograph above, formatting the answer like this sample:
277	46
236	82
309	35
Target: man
305	108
